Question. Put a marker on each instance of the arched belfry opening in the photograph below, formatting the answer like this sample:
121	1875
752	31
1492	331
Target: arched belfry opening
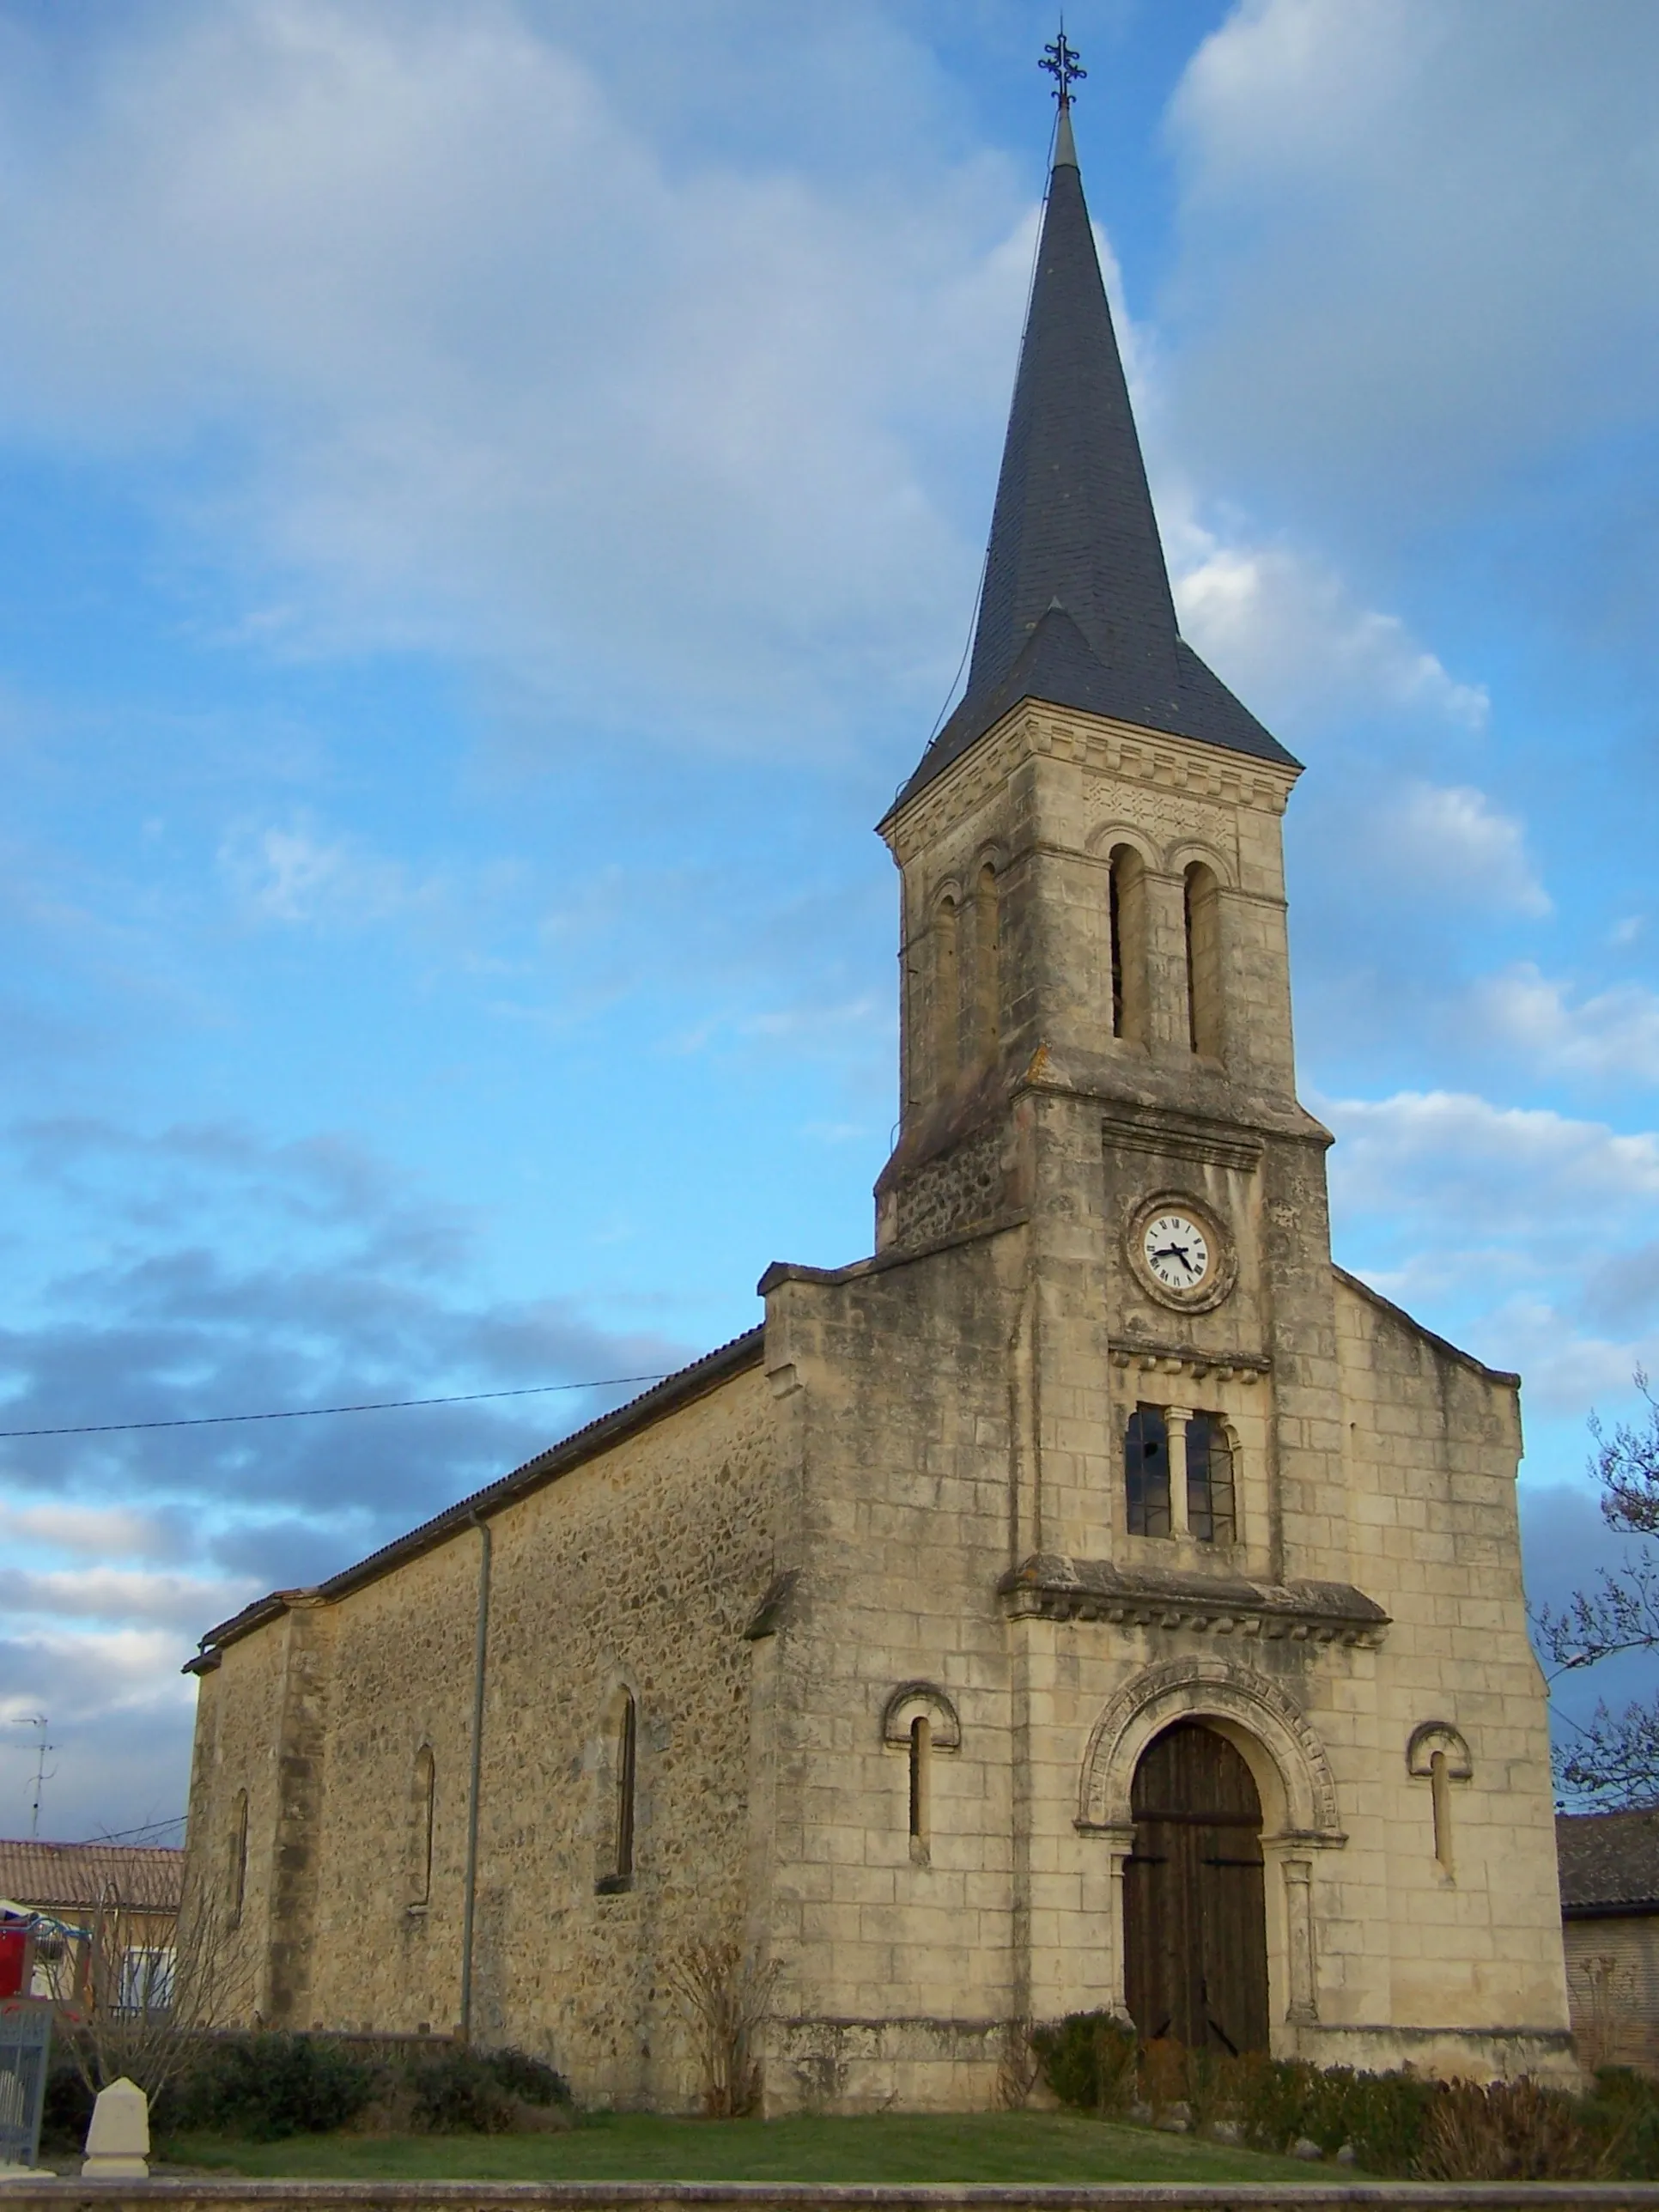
1195	1930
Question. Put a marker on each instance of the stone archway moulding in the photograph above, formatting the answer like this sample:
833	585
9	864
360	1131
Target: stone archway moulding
911	1699
1200	1689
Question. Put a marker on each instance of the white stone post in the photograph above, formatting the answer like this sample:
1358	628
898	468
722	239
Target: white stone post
118	2141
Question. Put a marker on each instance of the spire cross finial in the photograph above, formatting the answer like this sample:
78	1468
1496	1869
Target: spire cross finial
1062	65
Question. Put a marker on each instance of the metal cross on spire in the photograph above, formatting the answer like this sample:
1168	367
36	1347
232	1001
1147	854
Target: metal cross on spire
1062	63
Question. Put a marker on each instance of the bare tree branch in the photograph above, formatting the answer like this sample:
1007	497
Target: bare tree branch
1614	1760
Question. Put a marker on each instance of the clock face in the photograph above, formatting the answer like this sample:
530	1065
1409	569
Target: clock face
1176	1251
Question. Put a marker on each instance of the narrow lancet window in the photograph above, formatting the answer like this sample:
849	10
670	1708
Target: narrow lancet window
1440	1799
237	1884
1211	1512
1146	1472
921	1754
627	1734
1202	906
988	963
425	1807
947	994
1126	901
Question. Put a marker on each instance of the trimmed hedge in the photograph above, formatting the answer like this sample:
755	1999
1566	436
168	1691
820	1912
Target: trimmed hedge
265	2086
268	2086
1399	2122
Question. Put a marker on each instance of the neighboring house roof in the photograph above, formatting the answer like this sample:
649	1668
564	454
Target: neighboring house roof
79	1877
1609	1863
1076	607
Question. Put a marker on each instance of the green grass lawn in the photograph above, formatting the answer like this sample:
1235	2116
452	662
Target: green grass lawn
1008	2146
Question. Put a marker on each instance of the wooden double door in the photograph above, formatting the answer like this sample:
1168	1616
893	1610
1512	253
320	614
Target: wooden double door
1195	1935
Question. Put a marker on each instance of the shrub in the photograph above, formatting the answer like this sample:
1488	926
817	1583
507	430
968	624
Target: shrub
1089	2061
1163	2073
457	2091
1505	2131
267	2086
532	2080
726	1995
1273	2100
66	2110
1383	2120
1622	2113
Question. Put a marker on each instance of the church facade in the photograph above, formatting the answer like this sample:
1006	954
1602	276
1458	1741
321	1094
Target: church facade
1095	1599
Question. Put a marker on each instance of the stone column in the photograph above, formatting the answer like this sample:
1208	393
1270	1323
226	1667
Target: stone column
1303	2006
1176	1418
1120	1842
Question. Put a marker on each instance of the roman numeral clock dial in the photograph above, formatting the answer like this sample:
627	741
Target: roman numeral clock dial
1182	1252
1177	1252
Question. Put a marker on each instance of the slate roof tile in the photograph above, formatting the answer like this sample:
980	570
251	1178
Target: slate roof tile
1075	608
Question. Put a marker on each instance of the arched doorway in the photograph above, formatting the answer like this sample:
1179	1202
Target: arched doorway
1195	1936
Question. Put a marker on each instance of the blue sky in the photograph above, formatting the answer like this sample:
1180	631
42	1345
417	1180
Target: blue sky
491	500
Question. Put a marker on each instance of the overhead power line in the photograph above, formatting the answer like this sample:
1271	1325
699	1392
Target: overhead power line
149	1828
312	1412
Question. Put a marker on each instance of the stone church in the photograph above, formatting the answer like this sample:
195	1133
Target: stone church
1097	1598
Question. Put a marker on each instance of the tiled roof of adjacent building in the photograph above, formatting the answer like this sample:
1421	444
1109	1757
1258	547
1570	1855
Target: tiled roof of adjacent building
1075	608
78	1877
1609	1862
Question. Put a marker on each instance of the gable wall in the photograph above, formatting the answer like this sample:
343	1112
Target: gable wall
1431	1449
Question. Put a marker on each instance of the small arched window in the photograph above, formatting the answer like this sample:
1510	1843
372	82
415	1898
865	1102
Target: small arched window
1201	903
947	993
236	1885
620	1756
1212	1514
1440	1754
987	963
424	1808
1126	897
1146	1472
919	1719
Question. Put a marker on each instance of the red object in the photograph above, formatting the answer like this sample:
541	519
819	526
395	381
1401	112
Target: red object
15	1963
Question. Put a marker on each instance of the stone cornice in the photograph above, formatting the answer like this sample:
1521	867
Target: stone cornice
1051	1588
1181	1137
1088	741
1182	1360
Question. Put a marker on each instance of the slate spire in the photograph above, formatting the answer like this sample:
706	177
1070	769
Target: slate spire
1076	607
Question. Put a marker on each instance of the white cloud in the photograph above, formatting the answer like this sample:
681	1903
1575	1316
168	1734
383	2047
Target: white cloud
1508	1170
1567	1368
98	1531
1612	1034
118	1670
310	876
1287	632
490	375
298	874
1528	1235
182	1602
1451	838
1418	243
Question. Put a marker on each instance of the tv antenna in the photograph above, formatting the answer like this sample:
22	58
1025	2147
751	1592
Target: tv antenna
39	1723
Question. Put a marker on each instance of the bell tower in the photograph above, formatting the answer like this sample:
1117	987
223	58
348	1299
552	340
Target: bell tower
1094	989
